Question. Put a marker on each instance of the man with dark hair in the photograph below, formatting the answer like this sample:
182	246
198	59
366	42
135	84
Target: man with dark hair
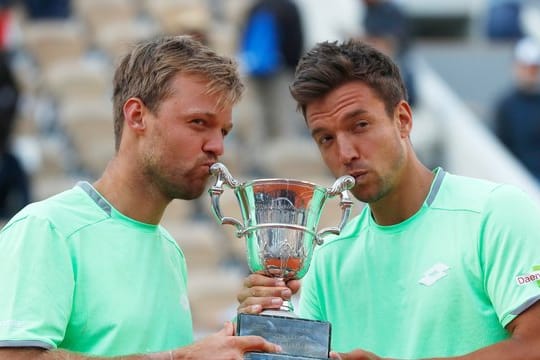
436	265
90	273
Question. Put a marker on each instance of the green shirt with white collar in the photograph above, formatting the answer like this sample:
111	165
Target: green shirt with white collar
78	275
444	282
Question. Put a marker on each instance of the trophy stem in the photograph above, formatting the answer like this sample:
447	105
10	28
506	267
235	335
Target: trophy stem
288	307
284	311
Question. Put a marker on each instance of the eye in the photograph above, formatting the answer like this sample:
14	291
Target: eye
198	121
224	132
324	139
361	124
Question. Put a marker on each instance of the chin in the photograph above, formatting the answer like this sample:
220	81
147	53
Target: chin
366	196
191	195
187	193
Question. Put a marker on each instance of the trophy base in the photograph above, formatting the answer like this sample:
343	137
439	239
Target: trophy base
299	338
268	356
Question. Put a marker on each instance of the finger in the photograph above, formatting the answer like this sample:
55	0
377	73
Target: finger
263	302
243	295
228	329
294	285
263	292
266	291
258	279
224	331
335	355
256	305
249	309
258	343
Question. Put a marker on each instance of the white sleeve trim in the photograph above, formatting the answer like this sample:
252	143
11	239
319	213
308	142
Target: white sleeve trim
25	343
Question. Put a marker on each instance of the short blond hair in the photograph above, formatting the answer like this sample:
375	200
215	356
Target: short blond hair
147	70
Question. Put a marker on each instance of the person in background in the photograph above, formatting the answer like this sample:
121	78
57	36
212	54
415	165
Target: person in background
437	265
14	179
271	42
47	9
386	27
517	112
503	20
90	273
336	20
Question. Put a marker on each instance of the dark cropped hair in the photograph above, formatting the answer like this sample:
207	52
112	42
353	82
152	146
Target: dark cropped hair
331	64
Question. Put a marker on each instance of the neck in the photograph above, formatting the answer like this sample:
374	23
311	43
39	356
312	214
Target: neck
129	192
406	197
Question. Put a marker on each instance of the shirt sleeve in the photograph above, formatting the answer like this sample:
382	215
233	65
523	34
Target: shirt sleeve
509	252
36	282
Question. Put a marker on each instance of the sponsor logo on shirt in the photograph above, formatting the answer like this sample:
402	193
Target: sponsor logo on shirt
532	277
434	274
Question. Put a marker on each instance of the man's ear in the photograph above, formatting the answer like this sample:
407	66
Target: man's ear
134	109
403	115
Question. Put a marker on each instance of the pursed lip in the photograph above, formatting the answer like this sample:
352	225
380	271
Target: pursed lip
358	174
208	165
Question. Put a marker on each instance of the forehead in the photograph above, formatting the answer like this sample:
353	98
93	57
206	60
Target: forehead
187	83
188	95
188	89
342	98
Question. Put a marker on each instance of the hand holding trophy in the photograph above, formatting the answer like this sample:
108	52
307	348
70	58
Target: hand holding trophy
280	220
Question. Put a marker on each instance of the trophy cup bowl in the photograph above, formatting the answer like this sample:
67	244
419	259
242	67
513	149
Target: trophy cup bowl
280	219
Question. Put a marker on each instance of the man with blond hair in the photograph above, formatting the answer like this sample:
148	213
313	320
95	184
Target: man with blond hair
89	273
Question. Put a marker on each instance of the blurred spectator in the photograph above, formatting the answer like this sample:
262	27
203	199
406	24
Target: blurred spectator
14	182
325	20
47	9
5	18
517	113
387	28
503	19
530	18
385	17
270	46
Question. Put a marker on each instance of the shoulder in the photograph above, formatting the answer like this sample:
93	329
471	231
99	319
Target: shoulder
467	193
460	193
65	212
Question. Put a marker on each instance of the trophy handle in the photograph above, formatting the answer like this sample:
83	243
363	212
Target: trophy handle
341	187
223	176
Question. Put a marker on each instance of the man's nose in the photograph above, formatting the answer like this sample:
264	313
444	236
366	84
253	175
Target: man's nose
347	149
215	144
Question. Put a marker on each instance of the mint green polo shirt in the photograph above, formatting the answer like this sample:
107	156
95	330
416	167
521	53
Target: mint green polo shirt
76	274
444	282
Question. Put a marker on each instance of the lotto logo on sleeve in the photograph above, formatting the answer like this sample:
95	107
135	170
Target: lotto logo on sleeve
532	277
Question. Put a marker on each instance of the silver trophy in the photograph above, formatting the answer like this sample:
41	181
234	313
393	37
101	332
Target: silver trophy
280	225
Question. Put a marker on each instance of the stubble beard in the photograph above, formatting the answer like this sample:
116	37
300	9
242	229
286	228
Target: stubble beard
185	189
383	184
178	184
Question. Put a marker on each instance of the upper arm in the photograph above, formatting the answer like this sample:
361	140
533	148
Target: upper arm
37	280
526	328
14	353
509	252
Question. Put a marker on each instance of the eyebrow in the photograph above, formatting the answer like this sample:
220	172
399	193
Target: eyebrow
353	114
196	112
347	117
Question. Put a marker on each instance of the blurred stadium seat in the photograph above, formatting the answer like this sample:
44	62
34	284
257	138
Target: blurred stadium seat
49	41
